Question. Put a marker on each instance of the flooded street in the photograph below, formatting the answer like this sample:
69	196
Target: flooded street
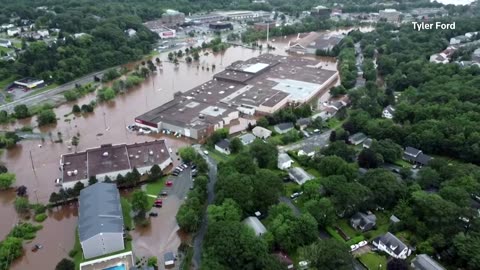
36	163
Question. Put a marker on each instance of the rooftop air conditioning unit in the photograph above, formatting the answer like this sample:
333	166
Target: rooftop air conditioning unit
105	154
150	153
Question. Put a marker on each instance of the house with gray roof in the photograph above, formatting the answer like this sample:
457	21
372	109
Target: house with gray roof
247	138
425	262
363	222
357	138
416	156
100	220
255	224
223	146
393	246
299	175
283	127
261	132
284	161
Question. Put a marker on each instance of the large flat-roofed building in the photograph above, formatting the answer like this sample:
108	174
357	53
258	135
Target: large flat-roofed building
257	86
321	12
245	15
205	18
161	29
313	41
111	160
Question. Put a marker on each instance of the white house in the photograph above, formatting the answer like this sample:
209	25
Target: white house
100	220
299	175
13	31
5	43
388	112
43	33
439	58
261	132
284	161
131	32
458	40
391	245
223	146
255	224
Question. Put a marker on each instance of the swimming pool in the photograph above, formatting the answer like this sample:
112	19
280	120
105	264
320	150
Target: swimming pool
116	267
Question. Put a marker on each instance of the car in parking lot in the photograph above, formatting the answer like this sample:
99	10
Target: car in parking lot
194	166
184	166
205	152
296	195
153	214
158	203
163	193
353	247
169	183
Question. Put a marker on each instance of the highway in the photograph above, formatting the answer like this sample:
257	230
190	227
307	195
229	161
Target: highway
47	95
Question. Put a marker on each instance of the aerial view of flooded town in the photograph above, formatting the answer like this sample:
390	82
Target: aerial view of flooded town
264	134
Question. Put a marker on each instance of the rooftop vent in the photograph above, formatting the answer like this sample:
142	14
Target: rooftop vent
150	153
105	154
215	109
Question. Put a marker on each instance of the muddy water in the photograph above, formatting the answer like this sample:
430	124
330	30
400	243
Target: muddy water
36	163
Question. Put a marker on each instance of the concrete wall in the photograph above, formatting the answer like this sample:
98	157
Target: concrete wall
102	244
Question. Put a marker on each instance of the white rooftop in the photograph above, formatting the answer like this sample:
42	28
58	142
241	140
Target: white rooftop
298	90
255	67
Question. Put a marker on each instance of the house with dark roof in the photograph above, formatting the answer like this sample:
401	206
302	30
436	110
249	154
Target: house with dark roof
303	122
363	222
425	262
367	143
391	245
100	220
283	127
223	146
388	112
357	138
416	156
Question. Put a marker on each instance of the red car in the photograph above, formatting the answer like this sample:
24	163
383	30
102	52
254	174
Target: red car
158	203
169	183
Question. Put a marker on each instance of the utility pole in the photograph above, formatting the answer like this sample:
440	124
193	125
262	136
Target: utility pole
33	166
268	33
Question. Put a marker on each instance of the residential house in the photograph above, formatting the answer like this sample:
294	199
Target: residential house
416	156
439	58
388	112
476	56
223	146
247	138
5	43
261	132
307	150
284	161
363	222
367	143
13	31
394	219
357	138
425	262
458	40
43	33
283	127
391	245
131	32
100	220
303	122
7	26
255	224
299	175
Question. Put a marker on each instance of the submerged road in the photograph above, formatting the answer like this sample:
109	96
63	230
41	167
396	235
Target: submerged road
198	240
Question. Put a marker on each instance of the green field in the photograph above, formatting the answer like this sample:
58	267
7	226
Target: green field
154	188
374	261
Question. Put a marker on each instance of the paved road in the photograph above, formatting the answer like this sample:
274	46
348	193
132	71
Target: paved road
198	241
44	96
295	209
317	141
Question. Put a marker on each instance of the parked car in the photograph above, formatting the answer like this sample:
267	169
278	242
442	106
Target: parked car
58	182
158	203
169	183
184	166
194	166
179	168
163	193
295	195
175	173
362	244
153	214
353	247
205	152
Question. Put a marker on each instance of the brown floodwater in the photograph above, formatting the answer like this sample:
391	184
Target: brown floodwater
36	162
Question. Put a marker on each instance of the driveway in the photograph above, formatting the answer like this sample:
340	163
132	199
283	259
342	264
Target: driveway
162	235
363	250
316	140
198	240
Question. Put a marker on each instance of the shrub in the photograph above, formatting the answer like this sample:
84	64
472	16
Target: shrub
72	253
40	217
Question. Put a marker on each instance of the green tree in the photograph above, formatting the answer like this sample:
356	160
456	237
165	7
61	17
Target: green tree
227	211
46	117
390	151
333	165
77	188
65	264
22	205
236	145
340	149
6	180
265	154
322	210
187	154
385	187
92	180
262	122
327	254
369	159
76	109
21	111
140	204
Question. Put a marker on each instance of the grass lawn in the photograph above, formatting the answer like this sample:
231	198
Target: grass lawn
402	163
334	123
5	82
346	228
126	210
290	187
154	188
383	222
374	261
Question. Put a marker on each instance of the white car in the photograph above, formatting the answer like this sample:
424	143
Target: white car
303	265
362	244
354	247
205	152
